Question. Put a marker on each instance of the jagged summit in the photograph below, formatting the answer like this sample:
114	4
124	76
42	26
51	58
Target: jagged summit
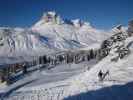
79	23
50	17
50	13
119	28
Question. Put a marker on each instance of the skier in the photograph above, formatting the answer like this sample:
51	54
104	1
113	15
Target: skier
24	68
102	75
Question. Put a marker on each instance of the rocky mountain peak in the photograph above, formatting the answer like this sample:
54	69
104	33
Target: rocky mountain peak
50	17
130	28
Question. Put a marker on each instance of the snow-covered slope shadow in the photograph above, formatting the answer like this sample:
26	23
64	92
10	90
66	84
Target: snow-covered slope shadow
3	95
115	92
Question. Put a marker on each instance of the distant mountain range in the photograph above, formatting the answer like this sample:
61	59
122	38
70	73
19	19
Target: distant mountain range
50	34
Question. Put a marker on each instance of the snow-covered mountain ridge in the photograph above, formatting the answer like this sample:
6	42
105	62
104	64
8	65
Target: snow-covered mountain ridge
50	33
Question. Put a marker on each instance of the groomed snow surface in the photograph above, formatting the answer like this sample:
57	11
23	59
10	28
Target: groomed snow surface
84	86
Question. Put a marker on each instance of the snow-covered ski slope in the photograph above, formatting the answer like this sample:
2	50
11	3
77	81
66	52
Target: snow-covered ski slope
47	77
118	85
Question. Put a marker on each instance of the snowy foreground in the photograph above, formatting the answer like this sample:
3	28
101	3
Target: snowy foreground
118	85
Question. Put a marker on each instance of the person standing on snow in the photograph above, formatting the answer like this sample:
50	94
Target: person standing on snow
102	75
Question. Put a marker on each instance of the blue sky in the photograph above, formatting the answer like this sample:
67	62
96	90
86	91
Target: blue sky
100	13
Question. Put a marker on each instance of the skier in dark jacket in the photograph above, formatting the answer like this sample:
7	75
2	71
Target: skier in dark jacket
102	75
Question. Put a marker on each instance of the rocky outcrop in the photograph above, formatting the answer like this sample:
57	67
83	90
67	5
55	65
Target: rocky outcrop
115	45
130	28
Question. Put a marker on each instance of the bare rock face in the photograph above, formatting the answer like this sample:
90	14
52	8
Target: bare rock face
130	28
52	17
